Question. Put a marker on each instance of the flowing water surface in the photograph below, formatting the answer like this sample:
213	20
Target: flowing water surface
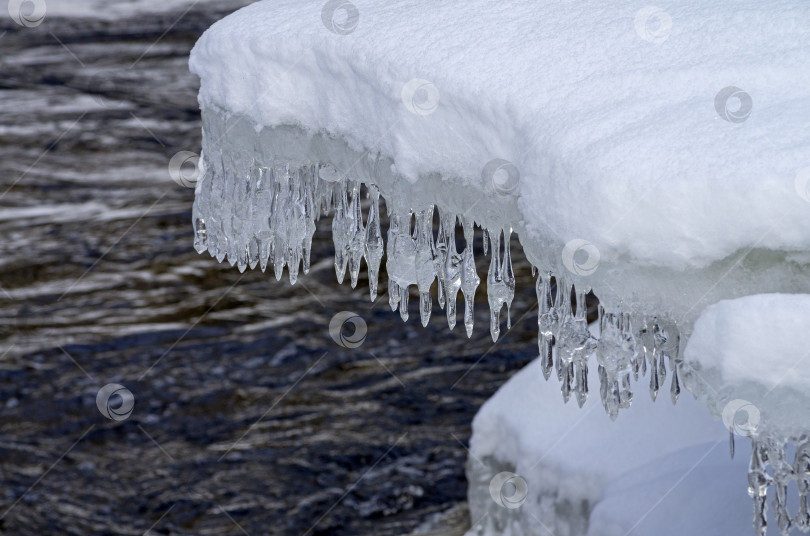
248	418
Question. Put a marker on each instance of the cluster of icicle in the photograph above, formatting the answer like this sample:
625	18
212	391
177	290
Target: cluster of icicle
255	216
774	453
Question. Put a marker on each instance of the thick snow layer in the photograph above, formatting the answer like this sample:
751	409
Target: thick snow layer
660	470
755	349
618	117
755	339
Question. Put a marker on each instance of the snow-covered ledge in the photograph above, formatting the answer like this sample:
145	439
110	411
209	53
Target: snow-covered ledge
658	157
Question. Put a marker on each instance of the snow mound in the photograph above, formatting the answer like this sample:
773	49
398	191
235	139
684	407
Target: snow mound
658	157
664	471
620	122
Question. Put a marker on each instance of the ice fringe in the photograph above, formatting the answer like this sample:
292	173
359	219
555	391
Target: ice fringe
254	212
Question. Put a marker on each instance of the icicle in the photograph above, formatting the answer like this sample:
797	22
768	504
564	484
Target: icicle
675	387
801	468
580	360
310	214
616	352
341	233
374	248
581	387
393	235
404	294
731	442
452	269
393	294
782	475
200	235
562	302
758	482
654	382
425	262
469	276
500	283
546	322
574	342
401	257
485	240
356	235
440	258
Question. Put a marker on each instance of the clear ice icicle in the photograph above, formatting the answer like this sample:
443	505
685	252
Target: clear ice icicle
374	247
758	482
469	276
782	475
500	282
452	268
356	235
575	344
616	352
675	387
546	322
425	262
341	234
801	468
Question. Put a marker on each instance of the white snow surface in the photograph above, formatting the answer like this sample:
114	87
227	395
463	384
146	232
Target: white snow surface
755	349
659	470
762	338
607	109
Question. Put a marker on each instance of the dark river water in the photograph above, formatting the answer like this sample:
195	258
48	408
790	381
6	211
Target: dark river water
248	418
